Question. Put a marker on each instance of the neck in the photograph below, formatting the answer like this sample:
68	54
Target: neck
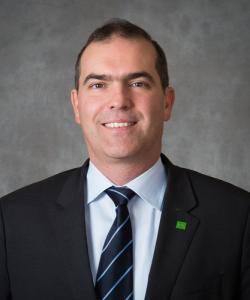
120	172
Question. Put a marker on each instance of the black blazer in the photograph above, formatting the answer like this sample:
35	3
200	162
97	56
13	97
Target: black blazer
43	247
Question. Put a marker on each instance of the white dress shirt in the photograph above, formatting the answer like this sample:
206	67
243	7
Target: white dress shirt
145	213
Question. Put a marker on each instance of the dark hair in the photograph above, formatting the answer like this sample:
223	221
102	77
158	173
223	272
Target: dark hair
128	30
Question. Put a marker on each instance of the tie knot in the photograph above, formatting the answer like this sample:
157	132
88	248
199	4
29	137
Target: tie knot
120	195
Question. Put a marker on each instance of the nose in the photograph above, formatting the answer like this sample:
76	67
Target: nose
120	98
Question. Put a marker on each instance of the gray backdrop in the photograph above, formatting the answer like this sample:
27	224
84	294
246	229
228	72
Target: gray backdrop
207	44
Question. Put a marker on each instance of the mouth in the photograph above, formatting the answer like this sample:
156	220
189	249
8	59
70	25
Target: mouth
118	124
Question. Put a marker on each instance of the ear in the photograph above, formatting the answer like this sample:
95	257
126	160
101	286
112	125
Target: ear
169	102
75	105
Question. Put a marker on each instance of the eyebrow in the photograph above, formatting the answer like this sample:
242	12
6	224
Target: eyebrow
96	76
129	76
135	75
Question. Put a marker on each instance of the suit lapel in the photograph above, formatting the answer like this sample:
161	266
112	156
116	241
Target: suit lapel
172	243
69	226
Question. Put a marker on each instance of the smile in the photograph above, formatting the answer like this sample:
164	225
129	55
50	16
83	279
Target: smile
118	125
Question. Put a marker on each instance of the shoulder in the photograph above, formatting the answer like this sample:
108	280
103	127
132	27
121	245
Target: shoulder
44	189
204	185
209	193
217	190
208	182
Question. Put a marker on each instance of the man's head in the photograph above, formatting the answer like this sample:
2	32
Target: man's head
121	100
126	30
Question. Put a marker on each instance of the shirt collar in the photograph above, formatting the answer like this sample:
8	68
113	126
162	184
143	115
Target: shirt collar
96	183
150	185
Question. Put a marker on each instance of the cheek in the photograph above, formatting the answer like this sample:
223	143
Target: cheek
155	113
88	110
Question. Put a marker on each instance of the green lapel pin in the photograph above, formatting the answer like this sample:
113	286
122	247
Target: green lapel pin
181	225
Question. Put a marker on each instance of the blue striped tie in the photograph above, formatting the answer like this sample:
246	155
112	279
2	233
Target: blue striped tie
114	280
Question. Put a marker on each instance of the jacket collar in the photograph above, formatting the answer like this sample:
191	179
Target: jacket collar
74	186
172	242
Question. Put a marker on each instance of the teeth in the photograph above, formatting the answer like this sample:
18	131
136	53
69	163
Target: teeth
116	125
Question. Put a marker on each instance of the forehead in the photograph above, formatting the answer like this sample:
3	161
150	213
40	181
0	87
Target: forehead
119	54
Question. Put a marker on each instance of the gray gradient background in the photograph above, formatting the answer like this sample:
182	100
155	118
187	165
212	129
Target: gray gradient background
207	44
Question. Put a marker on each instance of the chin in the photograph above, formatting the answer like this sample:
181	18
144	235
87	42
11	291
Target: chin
125	156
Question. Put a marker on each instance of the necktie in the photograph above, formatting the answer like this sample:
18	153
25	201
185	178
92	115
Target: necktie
114	279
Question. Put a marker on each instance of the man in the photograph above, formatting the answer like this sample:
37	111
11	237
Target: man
187	235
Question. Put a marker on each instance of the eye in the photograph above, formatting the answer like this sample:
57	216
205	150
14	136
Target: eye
98	85
139	84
